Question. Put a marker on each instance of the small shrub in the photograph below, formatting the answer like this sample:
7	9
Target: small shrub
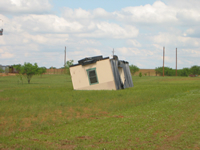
140	74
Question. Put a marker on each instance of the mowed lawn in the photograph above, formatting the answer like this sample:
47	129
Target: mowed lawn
157	113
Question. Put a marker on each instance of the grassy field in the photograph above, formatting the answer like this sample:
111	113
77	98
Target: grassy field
157	113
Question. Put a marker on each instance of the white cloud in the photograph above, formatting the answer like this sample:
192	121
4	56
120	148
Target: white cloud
138	33
170	39
194	52
1	51
127	51
190	31
85	16
111	30
183	4
161	14
5	55
93	26
24	6
76	13
88	42
134	42
115	31
45	24
156	13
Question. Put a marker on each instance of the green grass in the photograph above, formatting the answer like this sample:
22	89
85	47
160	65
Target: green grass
157	113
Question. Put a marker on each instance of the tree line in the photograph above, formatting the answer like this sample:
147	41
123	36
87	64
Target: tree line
28	70
194	70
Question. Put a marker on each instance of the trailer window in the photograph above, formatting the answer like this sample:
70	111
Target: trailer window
92	76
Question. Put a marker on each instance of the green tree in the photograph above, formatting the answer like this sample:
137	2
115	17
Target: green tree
133	69
42	70
1	70
195	70
17	67
168	71
28	70
140	74
67	65
184	72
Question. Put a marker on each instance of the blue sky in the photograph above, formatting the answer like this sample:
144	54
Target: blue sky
108	5
38	31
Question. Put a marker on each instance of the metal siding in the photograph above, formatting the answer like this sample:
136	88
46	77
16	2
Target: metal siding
118	82
128	78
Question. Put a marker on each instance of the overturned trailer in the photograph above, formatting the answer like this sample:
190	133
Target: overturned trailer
98	73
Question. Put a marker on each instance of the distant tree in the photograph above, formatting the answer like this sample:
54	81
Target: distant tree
17	67
133	69
67	65
159	70
184	72
52	67
140	74
28	70
1	70
167	71
42	70
195	70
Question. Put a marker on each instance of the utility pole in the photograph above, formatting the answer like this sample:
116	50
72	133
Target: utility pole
65	57
176	61
113	51
163	61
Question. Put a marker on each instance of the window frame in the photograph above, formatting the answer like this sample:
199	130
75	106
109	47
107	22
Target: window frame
92	69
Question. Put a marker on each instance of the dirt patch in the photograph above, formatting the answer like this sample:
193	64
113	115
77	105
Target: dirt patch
4	99
66	144
103	113
27	121
196	147
85	112
7	74
175	137
84	137
168	140
35	140
100	142
119	116
42	133
165	147
68	147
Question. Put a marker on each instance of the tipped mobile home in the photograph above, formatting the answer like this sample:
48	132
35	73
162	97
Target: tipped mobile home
98	73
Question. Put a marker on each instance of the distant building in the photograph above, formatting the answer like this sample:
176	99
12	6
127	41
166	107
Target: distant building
8	69
5	68
98	73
